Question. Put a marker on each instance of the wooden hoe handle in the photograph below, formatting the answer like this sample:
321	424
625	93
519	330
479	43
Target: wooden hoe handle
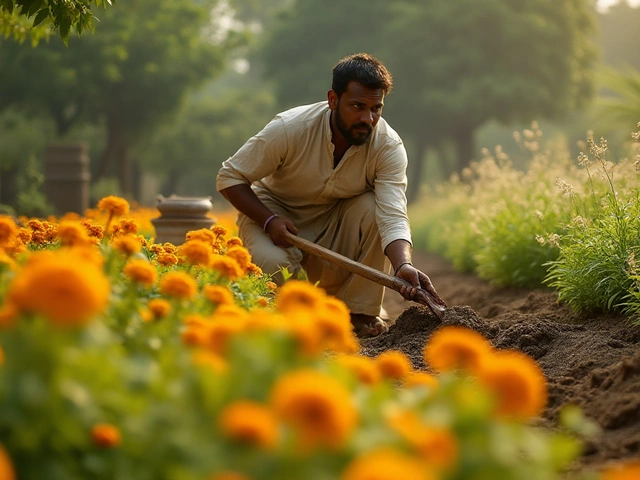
422	296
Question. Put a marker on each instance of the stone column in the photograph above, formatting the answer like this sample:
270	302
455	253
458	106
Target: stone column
66	177
180	215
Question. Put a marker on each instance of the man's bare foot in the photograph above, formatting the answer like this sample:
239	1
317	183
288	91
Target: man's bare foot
366	326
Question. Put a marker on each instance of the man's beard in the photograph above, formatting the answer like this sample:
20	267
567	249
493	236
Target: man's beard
349	133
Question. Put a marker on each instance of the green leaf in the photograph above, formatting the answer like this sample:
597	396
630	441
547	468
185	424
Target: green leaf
42	14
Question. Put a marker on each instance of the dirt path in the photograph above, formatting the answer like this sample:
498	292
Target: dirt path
589	360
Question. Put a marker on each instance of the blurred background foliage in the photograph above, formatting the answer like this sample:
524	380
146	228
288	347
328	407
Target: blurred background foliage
164	91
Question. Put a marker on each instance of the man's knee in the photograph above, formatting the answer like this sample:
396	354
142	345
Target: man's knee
361	210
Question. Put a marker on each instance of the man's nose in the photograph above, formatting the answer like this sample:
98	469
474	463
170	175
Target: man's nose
367	117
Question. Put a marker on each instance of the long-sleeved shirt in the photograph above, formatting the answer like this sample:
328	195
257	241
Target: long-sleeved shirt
291	161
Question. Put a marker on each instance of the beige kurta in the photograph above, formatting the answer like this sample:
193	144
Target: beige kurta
290	167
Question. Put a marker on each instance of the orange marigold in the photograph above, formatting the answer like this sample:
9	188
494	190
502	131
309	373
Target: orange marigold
316	405
218	294
271	285
203	235
298	295
127	244
141	271
62	286
196	252
125	226
234	241
8	229
219	230
240	255
363	368
178	285
72	233
166	259
93	229
456	348
114	205
6	467
250	423
517	381
629	470
254	270
386	464
393	364
416	379
159	307
226	266
8	314
105	435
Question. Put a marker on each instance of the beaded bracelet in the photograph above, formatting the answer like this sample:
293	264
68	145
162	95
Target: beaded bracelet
400	266
266	222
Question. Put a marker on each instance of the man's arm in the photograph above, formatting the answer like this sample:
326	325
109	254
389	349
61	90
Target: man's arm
243	198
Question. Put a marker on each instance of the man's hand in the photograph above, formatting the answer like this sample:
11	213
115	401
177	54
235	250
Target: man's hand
276	230
419	280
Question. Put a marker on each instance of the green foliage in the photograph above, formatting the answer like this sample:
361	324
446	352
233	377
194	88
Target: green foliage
618	109
37	18
31	200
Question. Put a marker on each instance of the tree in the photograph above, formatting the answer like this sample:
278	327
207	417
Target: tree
38	18
132	73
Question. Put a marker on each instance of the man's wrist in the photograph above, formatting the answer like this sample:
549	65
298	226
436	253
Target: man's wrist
267	221
395	272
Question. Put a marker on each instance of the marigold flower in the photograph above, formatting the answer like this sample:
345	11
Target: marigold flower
8	314
169	247
297	295
220	332
254	270
305	331
127	244
335	328
393	365
240	255
622	471
234	241
88	253
93	229
159	307
203	235
517	381
262	302
317	406
36	225
6	467
125	226
72	233
271	285
62	287
386	464
24	235
166	259
196	252
437	445
178	285
114	205
105	435
8	230
250	423
141	271
219	230
416	379
210	360
363	368
226	266
218	294
456	348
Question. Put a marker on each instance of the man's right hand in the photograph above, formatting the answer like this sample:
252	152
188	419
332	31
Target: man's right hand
277	228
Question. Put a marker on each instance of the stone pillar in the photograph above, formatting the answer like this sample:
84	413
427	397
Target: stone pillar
180	215
66	177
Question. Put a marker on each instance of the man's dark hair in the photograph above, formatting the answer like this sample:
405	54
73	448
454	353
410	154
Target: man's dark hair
364	69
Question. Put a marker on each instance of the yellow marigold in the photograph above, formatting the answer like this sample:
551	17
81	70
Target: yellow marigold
141	271
226	266
50	231
105	435
24	235
393	365
302	326
127	244
318	407
456	348
416	379
219	230
125	226
169	247
166	259
195	336
629	470
210	360
196	252
250	423
363	368
93	230
178	285
240	255
72	233
271	285
159	307
220	333
203	235
296	295
386	464
218	294
436	444
36	225
336	330
114	205
6	467
234	241
8	314
8	230
517	381
62	287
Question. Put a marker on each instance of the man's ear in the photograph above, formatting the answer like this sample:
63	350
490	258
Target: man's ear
332	98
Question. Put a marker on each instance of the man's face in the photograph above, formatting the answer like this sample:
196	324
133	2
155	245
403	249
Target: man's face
357	112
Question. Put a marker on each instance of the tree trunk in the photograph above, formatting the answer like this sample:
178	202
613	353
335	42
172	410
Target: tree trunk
415	170
464	142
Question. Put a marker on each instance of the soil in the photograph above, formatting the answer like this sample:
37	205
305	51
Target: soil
590	360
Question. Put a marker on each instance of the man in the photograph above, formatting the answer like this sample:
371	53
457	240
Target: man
334	173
